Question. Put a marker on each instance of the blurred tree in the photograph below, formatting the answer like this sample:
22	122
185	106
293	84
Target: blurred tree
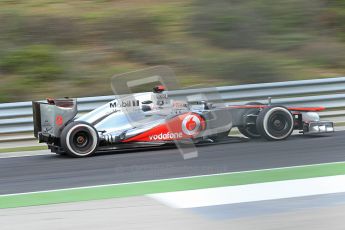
255	23
37	62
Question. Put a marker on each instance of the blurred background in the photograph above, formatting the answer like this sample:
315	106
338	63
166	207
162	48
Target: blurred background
71	48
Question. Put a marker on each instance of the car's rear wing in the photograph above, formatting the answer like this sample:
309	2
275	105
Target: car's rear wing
51	116
36	113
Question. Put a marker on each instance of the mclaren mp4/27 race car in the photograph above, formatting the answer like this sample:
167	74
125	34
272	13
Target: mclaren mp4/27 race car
152	118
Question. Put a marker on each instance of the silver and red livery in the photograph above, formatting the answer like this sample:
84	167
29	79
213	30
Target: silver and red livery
151	119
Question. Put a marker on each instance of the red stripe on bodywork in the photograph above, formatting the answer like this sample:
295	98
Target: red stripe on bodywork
307	109
169	131
300	109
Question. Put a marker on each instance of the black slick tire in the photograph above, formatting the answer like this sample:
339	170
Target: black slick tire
275	123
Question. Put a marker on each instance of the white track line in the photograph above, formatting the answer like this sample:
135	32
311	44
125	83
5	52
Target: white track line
169	179
252	192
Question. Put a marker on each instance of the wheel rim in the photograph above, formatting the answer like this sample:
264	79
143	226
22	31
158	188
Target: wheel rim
81	139
277	123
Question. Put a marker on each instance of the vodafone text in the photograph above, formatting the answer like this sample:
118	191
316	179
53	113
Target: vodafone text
166	136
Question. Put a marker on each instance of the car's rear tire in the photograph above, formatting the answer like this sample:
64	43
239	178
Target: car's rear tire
275	123
79	139
250	130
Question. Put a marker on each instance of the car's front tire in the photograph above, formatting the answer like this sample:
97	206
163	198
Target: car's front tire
79	139
275	123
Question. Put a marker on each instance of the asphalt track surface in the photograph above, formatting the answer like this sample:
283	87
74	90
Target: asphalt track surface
46	172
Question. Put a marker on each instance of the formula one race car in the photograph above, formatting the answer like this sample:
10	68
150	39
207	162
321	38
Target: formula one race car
151	119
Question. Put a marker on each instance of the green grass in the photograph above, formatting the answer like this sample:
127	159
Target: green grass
169	185
22	149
